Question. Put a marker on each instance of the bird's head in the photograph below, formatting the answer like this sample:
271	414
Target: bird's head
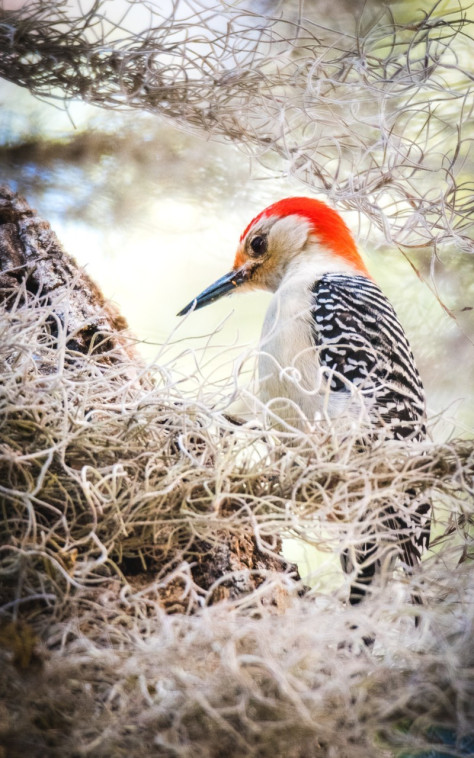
288	232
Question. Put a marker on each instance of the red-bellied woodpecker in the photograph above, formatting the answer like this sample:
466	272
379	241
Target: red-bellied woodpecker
332	349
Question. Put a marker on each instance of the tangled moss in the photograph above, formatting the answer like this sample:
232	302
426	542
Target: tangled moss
123	502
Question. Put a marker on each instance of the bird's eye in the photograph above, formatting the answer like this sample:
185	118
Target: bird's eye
259	245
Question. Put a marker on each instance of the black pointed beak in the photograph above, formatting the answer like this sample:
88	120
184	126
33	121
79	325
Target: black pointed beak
223	286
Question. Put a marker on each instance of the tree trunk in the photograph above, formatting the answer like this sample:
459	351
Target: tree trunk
62	336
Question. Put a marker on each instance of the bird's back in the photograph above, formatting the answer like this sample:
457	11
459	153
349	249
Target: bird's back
361	344
335	349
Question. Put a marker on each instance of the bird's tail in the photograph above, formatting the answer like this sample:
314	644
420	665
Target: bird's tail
402	533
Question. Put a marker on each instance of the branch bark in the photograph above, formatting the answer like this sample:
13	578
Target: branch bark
33	259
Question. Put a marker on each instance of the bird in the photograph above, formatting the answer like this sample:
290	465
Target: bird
332	351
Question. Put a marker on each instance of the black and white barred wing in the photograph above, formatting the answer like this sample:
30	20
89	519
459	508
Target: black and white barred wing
361	344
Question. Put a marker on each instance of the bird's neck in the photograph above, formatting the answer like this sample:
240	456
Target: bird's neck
312	263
